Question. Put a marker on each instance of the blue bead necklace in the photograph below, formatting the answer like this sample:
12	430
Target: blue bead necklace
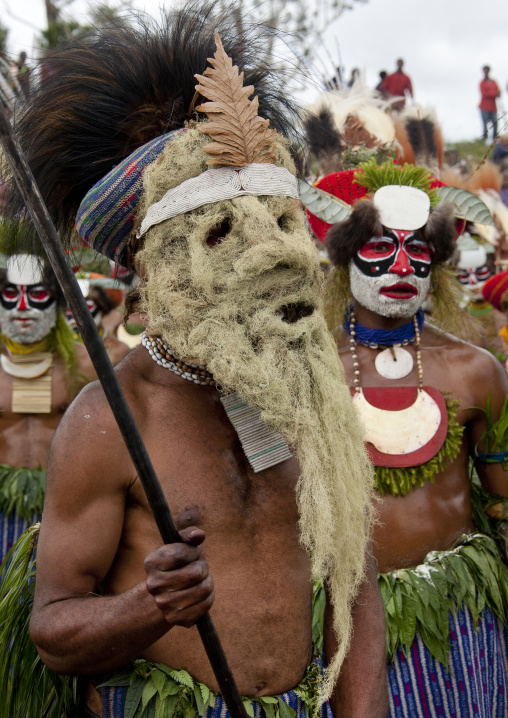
406	334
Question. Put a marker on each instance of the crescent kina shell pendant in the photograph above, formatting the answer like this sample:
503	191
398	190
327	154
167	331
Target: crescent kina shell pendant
27	369
391	367
403	426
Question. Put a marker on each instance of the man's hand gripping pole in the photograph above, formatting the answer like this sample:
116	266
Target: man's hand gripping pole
130	432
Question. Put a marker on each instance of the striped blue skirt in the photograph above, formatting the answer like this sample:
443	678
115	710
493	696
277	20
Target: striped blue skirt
476	686
113	704
11	528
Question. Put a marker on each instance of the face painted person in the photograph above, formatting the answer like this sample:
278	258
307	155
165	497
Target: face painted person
422	396
41	369
475	265
231	288
100	305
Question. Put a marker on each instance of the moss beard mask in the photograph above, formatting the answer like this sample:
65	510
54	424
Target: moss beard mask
236	286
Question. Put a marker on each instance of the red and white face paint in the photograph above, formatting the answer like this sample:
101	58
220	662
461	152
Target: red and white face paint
94	311
27	310
473	270
84	285
390	275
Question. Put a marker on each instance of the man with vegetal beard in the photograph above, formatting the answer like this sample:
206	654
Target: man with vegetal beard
427	401
237	391
41	370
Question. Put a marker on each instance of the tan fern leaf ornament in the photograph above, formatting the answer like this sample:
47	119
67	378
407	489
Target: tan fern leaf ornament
240	136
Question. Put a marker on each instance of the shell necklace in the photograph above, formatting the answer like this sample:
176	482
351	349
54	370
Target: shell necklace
162	355
393	362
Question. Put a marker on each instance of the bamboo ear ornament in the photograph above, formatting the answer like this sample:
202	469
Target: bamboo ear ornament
242	152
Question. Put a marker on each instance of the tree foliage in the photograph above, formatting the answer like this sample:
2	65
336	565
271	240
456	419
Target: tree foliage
62	27
303	22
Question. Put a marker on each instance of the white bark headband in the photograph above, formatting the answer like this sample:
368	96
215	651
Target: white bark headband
219	184
24	269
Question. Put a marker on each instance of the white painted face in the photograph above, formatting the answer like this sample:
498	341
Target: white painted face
386	296
27	310
84	285
390	275
473	270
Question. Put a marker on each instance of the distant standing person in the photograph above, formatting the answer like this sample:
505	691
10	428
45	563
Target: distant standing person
397	85
490	92
379	86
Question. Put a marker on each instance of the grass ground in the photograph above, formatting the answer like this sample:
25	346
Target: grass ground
474	152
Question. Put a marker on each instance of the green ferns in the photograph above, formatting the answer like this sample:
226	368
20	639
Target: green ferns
154	691
373	177
27	687
22	491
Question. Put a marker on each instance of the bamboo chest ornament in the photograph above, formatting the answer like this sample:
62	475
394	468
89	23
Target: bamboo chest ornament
262	446
31	382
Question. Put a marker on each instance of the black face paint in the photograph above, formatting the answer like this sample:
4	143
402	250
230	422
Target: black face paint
396	251
475	275
26	296
92	306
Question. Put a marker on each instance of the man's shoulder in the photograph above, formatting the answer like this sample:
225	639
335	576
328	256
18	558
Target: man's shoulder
467	358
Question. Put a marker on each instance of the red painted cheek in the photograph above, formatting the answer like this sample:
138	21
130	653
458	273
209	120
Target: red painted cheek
401	265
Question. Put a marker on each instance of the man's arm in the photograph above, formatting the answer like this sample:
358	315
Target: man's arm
492	383
75	630
361	691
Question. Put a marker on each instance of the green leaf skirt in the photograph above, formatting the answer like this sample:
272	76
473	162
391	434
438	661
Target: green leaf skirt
471	573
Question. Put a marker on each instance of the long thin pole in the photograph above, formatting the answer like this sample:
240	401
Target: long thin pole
123	416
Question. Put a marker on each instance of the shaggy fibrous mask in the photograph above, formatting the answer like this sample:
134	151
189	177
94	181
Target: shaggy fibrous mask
236	285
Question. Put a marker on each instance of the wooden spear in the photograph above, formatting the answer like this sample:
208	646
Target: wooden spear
123	416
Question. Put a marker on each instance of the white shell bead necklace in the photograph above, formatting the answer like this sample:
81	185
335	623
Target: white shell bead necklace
163	356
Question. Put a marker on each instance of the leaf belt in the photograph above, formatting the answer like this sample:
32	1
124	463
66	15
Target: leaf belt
22	490
471	574
154	688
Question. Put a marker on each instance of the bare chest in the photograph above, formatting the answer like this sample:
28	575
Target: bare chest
25	437
207	479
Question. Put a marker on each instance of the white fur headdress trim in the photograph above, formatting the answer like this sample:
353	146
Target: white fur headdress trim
218	184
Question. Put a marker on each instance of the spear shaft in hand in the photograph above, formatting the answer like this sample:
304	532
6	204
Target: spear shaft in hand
123	416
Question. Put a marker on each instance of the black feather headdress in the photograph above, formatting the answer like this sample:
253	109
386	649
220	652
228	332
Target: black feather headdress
118	89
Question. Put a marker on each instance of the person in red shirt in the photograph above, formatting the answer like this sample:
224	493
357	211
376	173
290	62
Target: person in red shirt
490	92
396	85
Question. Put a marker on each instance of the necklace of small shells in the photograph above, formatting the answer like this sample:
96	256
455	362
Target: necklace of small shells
162	354
356	366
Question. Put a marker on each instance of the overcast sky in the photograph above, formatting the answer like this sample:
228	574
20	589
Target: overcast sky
444	44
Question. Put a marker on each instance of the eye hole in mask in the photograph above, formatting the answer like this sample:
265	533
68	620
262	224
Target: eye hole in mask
219	233
285	222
